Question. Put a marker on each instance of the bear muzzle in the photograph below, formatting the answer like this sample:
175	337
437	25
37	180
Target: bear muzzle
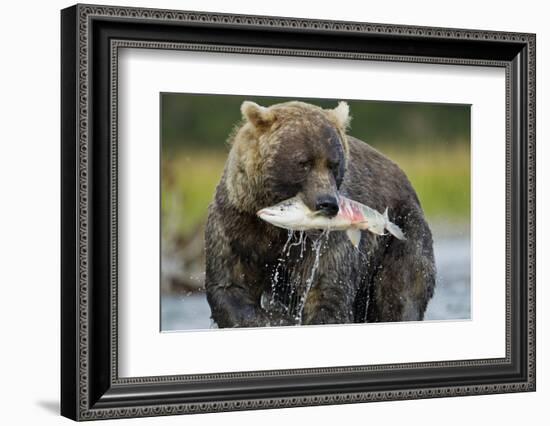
327	205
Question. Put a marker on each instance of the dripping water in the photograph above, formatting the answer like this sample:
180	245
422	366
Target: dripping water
278	269
316	248
302	246
293	295
286	291
288	240
298	243
364	258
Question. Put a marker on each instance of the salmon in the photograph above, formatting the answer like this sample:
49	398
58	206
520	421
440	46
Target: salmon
353	217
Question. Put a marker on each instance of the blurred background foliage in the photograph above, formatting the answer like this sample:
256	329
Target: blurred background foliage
430	142
204	121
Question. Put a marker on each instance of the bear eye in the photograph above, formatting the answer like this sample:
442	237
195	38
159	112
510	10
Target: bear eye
304	164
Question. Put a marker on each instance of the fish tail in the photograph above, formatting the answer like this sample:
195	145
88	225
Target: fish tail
392	228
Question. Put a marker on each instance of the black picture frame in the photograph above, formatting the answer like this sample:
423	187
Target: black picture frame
90	386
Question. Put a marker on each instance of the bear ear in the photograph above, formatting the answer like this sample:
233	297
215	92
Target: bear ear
340	114
257	115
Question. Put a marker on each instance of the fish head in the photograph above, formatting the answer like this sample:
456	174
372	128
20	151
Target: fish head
289	214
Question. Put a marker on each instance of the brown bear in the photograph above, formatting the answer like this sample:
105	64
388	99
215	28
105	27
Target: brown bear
261	275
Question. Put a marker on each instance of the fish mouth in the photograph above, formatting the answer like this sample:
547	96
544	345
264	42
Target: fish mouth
264	212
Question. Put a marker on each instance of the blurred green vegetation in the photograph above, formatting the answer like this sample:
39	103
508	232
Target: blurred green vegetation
441	178
189	180
430	142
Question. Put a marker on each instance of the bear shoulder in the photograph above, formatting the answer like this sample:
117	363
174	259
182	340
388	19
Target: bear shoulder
374	179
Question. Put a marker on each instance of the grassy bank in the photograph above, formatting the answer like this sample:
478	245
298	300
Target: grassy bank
441	178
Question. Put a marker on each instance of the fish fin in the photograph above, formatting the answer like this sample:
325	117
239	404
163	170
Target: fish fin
354	236
395	231
392	228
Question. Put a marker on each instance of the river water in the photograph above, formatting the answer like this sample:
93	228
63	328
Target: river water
451	300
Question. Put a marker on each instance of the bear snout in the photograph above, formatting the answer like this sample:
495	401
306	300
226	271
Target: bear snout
327	204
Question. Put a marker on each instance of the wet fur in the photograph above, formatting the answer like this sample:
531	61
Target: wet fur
384	280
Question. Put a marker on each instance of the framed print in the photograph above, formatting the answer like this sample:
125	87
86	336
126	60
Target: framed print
263	212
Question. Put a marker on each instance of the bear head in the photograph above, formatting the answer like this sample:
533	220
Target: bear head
288	149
